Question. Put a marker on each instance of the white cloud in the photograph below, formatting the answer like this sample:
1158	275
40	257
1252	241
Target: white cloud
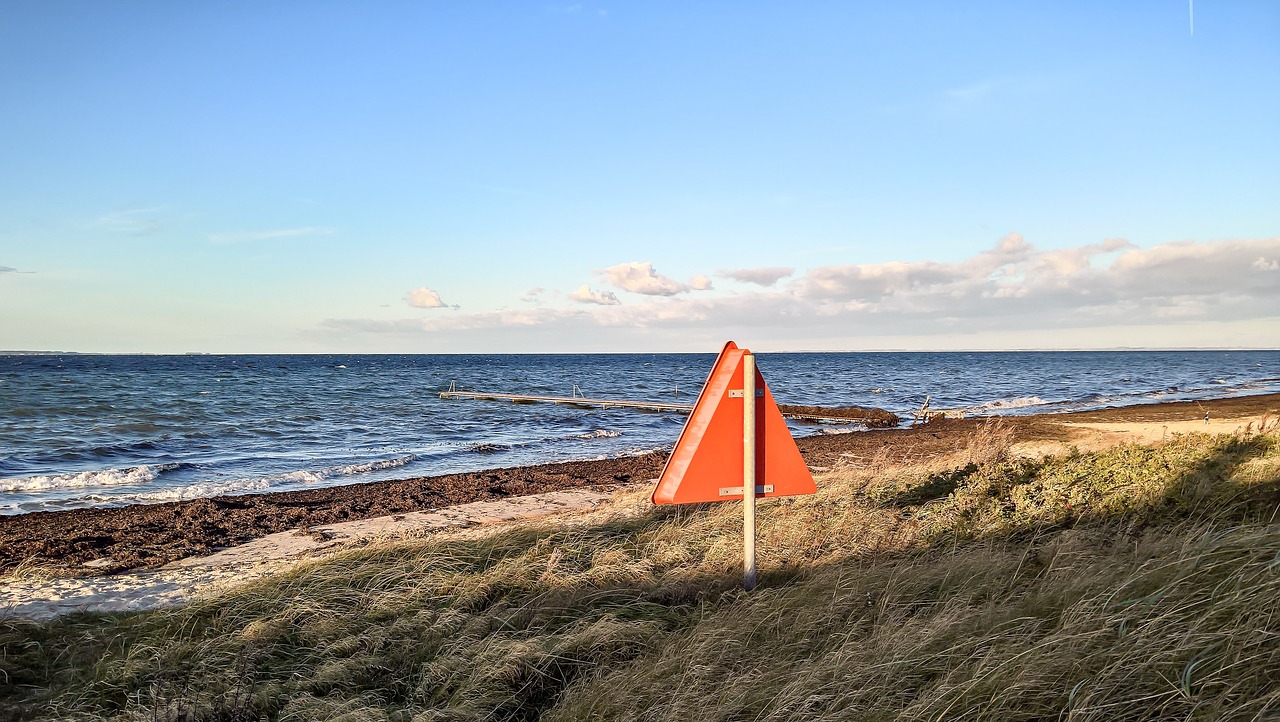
644	279
533	295
1196	269
1263	264
874	281
424	298
1067	262
641	278
760	276
994	273
246	236
584	294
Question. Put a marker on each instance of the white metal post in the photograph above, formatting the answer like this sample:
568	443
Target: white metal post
749	471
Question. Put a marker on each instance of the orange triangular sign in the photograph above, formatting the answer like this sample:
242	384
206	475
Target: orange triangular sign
707	460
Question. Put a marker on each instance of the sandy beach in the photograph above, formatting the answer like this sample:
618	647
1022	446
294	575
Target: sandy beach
35	594
141	557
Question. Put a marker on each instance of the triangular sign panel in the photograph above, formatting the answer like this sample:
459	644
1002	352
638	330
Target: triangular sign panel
708	456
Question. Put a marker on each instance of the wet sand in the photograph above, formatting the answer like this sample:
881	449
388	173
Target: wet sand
85	542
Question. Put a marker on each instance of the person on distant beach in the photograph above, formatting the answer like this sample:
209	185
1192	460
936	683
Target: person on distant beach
1206	418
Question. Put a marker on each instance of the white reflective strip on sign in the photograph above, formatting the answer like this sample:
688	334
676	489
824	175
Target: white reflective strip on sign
734	490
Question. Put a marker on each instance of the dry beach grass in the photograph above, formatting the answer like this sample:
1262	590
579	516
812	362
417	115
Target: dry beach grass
1133	582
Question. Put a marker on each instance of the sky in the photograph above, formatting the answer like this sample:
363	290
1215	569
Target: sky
511	177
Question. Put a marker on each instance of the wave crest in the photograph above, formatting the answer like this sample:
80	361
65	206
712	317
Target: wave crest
105	477
599	434
201	491
1020	402
347	470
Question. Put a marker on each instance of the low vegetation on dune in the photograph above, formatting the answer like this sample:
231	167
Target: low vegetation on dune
1135	583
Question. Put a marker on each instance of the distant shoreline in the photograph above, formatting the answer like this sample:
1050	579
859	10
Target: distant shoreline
1114	349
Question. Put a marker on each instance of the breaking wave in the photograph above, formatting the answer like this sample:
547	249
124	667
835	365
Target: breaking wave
107	477
599	434
200	491
347	470
1020	402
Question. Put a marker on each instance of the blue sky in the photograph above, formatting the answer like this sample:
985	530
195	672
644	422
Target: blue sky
483	177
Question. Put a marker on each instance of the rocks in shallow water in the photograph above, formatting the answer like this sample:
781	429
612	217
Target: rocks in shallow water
872	418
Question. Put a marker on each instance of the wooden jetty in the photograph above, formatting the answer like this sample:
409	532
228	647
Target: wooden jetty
590	403
582	401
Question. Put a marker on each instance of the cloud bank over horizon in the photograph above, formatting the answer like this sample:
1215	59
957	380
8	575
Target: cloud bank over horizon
1010	287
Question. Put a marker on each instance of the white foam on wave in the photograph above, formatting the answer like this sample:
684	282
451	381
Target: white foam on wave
105	477
1020	402
599	434
198	491
637	451
312	477
366	467
1266	384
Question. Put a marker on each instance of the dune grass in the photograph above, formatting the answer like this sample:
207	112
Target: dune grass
1135	583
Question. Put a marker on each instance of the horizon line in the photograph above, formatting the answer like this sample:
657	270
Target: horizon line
1108	349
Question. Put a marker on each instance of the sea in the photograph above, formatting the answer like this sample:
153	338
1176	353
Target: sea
82	431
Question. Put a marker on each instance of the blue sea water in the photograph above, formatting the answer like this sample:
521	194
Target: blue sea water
94	430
